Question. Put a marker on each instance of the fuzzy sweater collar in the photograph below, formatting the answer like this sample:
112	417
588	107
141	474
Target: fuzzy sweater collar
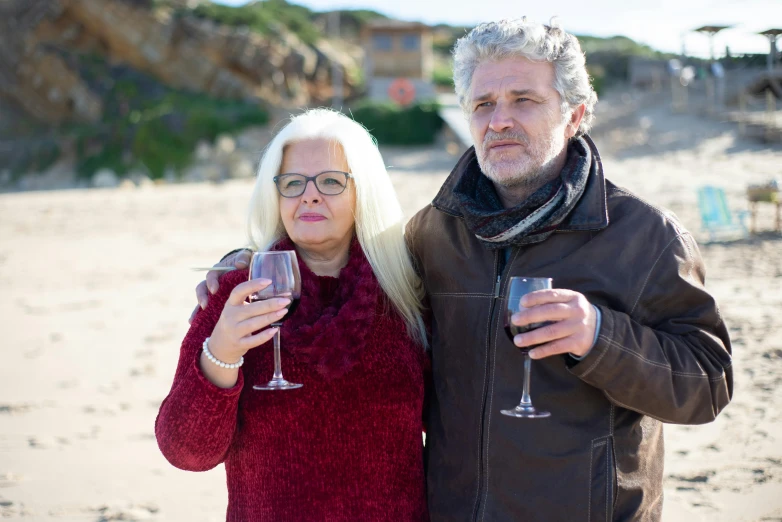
335	316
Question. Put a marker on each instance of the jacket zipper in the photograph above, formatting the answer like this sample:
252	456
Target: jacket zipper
489	364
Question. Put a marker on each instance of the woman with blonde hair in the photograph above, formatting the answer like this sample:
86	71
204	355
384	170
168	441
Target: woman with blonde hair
347	445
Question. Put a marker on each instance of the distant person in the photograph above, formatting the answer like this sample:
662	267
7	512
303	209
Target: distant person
347	445
635	339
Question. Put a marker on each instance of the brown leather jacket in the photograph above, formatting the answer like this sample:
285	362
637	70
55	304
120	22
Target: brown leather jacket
662	355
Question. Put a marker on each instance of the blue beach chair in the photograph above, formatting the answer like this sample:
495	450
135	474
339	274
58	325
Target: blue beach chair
716	217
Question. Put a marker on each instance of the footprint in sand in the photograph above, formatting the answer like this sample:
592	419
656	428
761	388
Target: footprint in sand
773	354
47	442
7	509
701	477
9	479
133	512
15	409
159	338
148	371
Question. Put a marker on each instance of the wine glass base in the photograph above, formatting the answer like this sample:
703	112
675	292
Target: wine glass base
281	384
526	412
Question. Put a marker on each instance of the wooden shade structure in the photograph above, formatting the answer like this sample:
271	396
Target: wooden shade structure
711	30
772	35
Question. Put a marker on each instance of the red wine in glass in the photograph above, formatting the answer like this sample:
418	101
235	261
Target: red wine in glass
282	269
511	330
291	307
517	288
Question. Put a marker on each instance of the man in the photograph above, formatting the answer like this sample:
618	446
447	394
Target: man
635	339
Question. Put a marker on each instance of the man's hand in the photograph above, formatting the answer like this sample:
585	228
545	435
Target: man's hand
238	260
573	322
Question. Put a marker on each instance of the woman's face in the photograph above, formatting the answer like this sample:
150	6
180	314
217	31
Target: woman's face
317	223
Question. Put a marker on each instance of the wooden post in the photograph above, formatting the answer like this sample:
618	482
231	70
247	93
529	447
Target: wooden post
771	107
743	113
710	95
753	213
676	103
656	80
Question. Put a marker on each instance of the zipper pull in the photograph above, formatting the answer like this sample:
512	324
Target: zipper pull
497	287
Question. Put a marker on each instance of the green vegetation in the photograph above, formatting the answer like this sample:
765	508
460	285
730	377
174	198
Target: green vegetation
359	16
391	124
597	79
444	37
263	17
147	125
616	45
443	73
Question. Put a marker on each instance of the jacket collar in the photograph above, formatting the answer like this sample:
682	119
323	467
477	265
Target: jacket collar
590	213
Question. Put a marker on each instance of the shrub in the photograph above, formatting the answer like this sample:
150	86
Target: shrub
391	124
443	74
148	124
263	17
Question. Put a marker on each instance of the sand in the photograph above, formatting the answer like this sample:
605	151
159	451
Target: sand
96	293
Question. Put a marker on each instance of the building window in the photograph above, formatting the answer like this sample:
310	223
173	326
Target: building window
411	42
382	42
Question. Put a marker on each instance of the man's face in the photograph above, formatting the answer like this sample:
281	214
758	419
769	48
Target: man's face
516	121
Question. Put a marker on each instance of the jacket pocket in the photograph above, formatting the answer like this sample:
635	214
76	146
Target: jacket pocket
602	485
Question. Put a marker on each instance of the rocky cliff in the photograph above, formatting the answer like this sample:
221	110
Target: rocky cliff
181	51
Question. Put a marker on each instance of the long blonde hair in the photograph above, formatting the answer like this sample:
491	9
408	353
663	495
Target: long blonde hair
378	216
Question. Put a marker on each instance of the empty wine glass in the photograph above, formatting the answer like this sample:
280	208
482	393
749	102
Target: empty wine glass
517	288
282	269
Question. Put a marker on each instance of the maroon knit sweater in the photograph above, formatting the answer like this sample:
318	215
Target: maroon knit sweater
347	446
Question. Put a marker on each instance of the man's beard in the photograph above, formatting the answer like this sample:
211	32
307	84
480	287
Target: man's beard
527	171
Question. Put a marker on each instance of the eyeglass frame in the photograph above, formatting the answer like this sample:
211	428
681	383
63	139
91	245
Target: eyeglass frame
307	179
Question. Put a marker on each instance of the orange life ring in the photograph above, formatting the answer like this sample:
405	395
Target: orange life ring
402	91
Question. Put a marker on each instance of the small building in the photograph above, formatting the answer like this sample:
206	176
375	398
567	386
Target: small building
399	60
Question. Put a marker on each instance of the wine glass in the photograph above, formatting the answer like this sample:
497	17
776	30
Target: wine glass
282	269
518	287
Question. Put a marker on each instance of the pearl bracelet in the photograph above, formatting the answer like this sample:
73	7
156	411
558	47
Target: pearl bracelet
217	361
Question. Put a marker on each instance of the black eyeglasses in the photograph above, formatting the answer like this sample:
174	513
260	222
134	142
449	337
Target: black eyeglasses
328	183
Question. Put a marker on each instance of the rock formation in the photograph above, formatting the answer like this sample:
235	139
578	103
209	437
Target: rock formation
181	51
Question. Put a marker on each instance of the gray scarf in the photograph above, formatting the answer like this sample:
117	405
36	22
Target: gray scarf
537	217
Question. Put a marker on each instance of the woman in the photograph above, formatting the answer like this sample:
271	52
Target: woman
347	445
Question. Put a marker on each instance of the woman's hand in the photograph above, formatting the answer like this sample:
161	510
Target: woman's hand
243	326
239	260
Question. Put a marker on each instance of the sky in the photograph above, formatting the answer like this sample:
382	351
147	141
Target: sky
662	24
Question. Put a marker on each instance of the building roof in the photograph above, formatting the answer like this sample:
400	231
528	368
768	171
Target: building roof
396	25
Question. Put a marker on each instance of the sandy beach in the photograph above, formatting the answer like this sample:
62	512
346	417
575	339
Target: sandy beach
96	292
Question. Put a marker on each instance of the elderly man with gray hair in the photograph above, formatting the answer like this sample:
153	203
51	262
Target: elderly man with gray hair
631	338
633	341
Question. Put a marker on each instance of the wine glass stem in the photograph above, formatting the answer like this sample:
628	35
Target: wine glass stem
277	359
525	398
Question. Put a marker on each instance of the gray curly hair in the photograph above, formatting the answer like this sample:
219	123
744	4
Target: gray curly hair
534	41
